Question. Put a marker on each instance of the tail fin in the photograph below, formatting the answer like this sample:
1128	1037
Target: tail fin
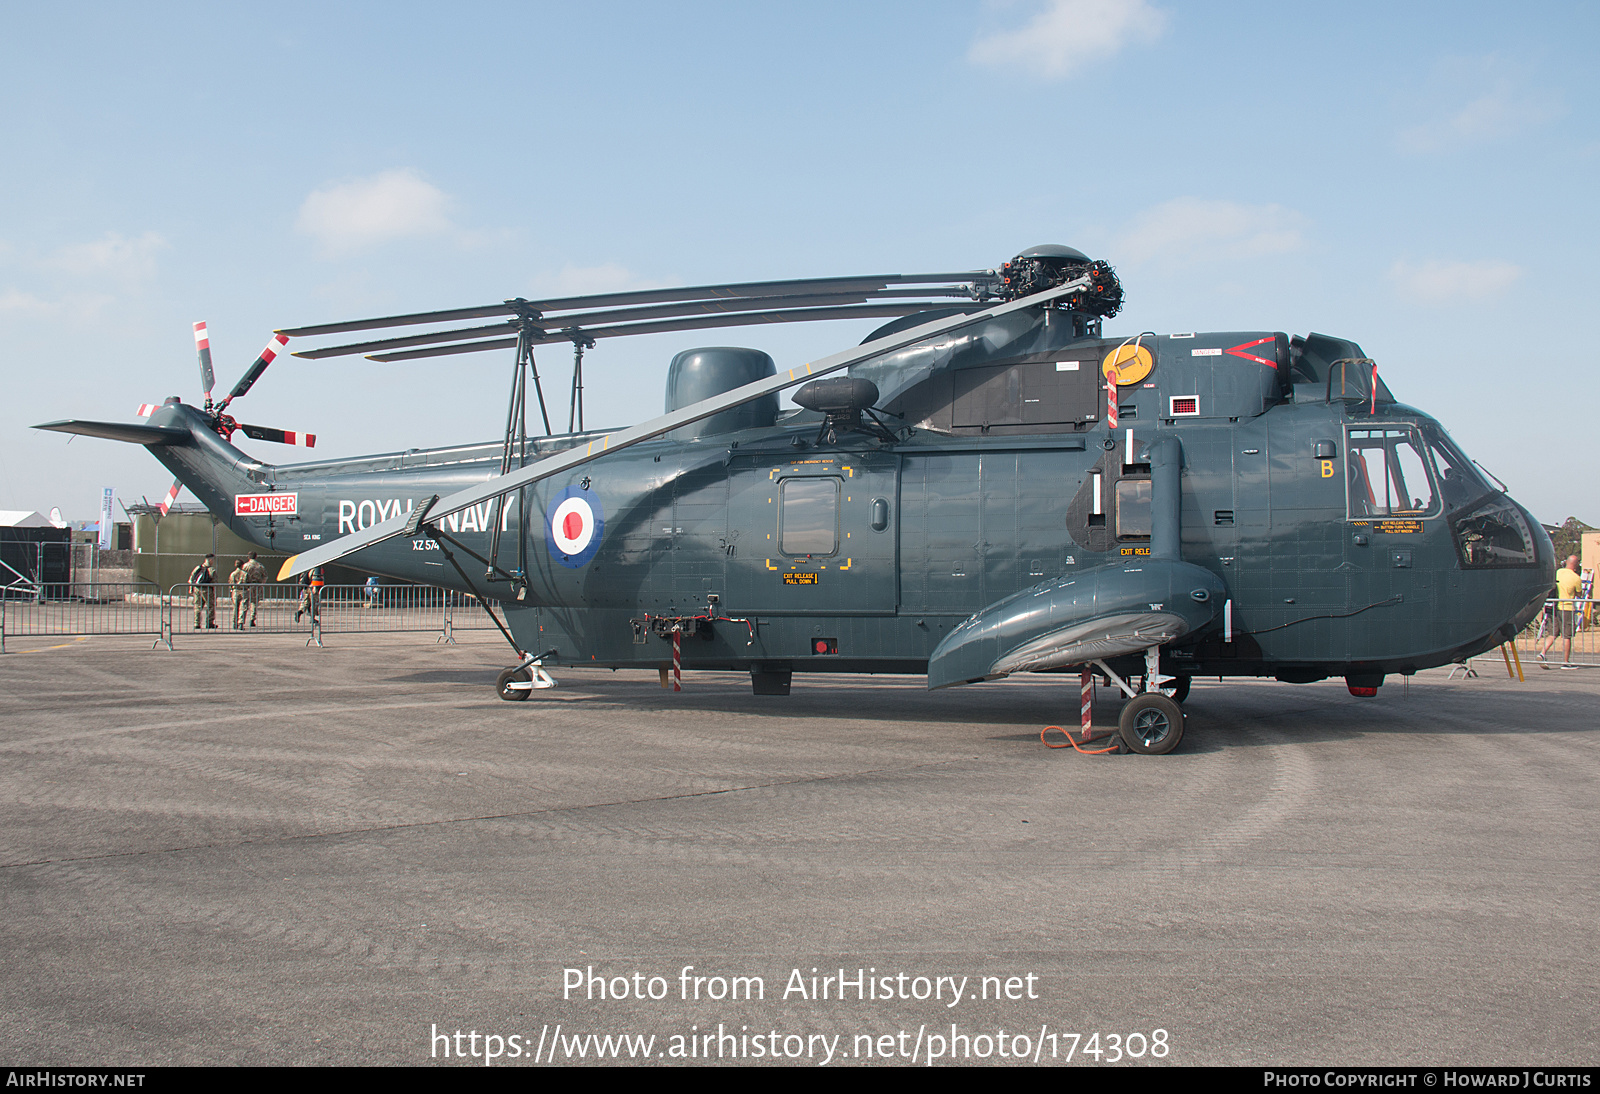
120	431
182	438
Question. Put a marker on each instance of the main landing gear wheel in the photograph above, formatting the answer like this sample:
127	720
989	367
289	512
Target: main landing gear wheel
1177	688
503	682
1151	724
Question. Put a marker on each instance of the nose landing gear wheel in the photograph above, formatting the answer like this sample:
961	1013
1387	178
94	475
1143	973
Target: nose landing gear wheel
1151	724
503	683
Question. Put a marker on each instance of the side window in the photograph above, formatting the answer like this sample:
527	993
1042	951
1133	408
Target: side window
1387	474
1133	508
809	519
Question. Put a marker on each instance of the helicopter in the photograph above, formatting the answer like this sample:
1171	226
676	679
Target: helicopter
986	485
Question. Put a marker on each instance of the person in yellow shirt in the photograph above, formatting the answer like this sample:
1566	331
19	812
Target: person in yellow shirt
1569	583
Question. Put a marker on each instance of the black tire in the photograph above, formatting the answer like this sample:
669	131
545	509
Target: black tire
1176	689
1151	724
511	694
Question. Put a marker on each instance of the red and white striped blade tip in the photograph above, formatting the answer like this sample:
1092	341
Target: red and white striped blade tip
273	347
279	436
147	409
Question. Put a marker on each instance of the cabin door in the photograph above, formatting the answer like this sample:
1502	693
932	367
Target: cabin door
812	535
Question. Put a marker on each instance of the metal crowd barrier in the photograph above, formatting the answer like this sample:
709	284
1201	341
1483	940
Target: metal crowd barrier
1585	633
195	611
122	608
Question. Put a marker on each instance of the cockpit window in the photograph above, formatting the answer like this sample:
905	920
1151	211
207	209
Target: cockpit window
1495	534
1459	482
1387	474
1489	529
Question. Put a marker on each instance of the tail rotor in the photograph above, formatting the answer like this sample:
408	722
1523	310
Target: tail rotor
225	424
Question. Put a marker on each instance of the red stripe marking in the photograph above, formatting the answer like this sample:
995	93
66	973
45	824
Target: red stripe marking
1238	351
277	343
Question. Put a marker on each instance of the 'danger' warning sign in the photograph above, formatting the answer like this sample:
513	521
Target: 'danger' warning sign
262	505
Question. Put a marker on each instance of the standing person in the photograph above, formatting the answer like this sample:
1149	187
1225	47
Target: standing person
238	581
203	585
310	594
256	575
372	591
1568	586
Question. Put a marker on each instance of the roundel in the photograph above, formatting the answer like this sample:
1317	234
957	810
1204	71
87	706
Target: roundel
574	527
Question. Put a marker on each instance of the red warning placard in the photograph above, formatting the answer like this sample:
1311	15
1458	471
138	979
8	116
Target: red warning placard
262	505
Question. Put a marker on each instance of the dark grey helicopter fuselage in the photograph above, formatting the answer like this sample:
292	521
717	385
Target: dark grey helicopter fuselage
1338	533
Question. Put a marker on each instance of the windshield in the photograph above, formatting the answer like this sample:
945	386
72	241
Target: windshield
1489	529
1459	480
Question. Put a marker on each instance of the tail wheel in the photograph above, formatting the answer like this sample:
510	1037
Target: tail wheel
504	681
1151	724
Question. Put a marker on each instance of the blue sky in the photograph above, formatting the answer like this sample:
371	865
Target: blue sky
1418	177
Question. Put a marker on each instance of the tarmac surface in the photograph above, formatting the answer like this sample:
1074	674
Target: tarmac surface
252	852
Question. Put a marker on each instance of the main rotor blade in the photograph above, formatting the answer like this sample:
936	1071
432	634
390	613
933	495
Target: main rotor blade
493	330
583	321
698	322
802	287
655	427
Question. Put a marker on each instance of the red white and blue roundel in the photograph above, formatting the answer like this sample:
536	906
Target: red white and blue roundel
575	526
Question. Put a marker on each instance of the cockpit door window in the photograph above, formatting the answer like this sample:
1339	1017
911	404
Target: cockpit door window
1387	475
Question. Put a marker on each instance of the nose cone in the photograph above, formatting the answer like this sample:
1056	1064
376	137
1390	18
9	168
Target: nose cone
1102	612
1533	592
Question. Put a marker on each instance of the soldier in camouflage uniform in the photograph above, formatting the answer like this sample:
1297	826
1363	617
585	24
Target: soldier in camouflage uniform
241	597
310	594
203	582
256	576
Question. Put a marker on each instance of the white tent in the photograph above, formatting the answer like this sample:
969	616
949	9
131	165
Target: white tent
18	518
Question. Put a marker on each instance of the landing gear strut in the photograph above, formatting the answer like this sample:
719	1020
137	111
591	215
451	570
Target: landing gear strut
1152	722
518	682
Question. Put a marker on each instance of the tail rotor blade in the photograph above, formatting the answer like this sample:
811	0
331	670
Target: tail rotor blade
172	496
280	436
202	343
248	380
